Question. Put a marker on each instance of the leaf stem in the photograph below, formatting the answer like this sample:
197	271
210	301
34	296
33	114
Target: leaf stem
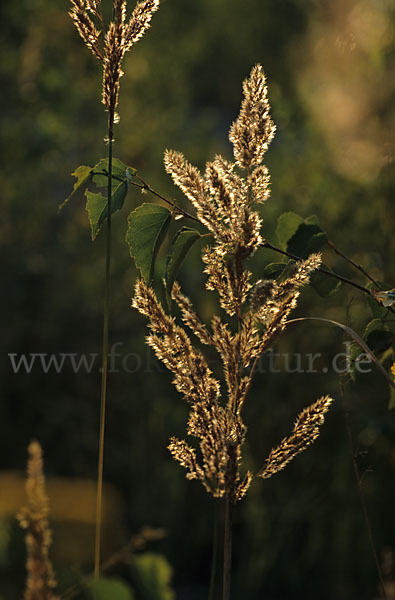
146	186
352	263
320	269
104	368
330	273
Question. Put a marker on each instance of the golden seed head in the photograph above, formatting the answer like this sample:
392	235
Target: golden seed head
224	203
33	517
305	431
119	38
253	130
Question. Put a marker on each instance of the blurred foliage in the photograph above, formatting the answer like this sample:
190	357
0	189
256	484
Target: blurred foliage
103	588
330	68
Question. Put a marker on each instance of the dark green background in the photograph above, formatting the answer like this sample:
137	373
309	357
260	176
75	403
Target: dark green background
330	68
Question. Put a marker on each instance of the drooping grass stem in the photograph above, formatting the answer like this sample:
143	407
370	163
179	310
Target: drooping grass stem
228	510
104	368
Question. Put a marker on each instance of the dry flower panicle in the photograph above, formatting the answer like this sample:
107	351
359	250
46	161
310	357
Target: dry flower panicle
305	431
224	203
40	582
121	35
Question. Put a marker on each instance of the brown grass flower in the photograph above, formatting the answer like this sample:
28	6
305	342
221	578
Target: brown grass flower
224	202
305	431
121	35
40	582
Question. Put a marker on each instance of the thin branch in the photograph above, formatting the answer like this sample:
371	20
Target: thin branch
354	264
326	272
184	213
320	269
145	186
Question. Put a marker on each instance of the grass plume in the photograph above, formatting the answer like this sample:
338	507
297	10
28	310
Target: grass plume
40	581
122	33
257	312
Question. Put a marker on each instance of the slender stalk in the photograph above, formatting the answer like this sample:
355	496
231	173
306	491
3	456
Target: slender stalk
227	548
320	269
355	337
214	553
331	273
145	186
353	264
104	368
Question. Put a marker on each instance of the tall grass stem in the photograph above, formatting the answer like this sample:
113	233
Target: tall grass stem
214	553
227	548
104	372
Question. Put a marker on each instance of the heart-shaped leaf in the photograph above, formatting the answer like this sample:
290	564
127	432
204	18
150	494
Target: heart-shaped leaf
300	236
324	285
306	240
147	226
120	172
377	336
97	206
287	226
82	174
181	244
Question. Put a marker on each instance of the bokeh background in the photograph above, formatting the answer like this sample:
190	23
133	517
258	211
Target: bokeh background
331	76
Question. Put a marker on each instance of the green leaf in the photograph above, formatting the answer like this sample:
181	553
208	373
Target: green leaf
391	403
306	240
300	237
120	172
153	576
82	174
287	225
377	309
273	270
121	176
289	270
97	206
377	336
324	285
312	220
378	339
105	588
147	226
181	244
